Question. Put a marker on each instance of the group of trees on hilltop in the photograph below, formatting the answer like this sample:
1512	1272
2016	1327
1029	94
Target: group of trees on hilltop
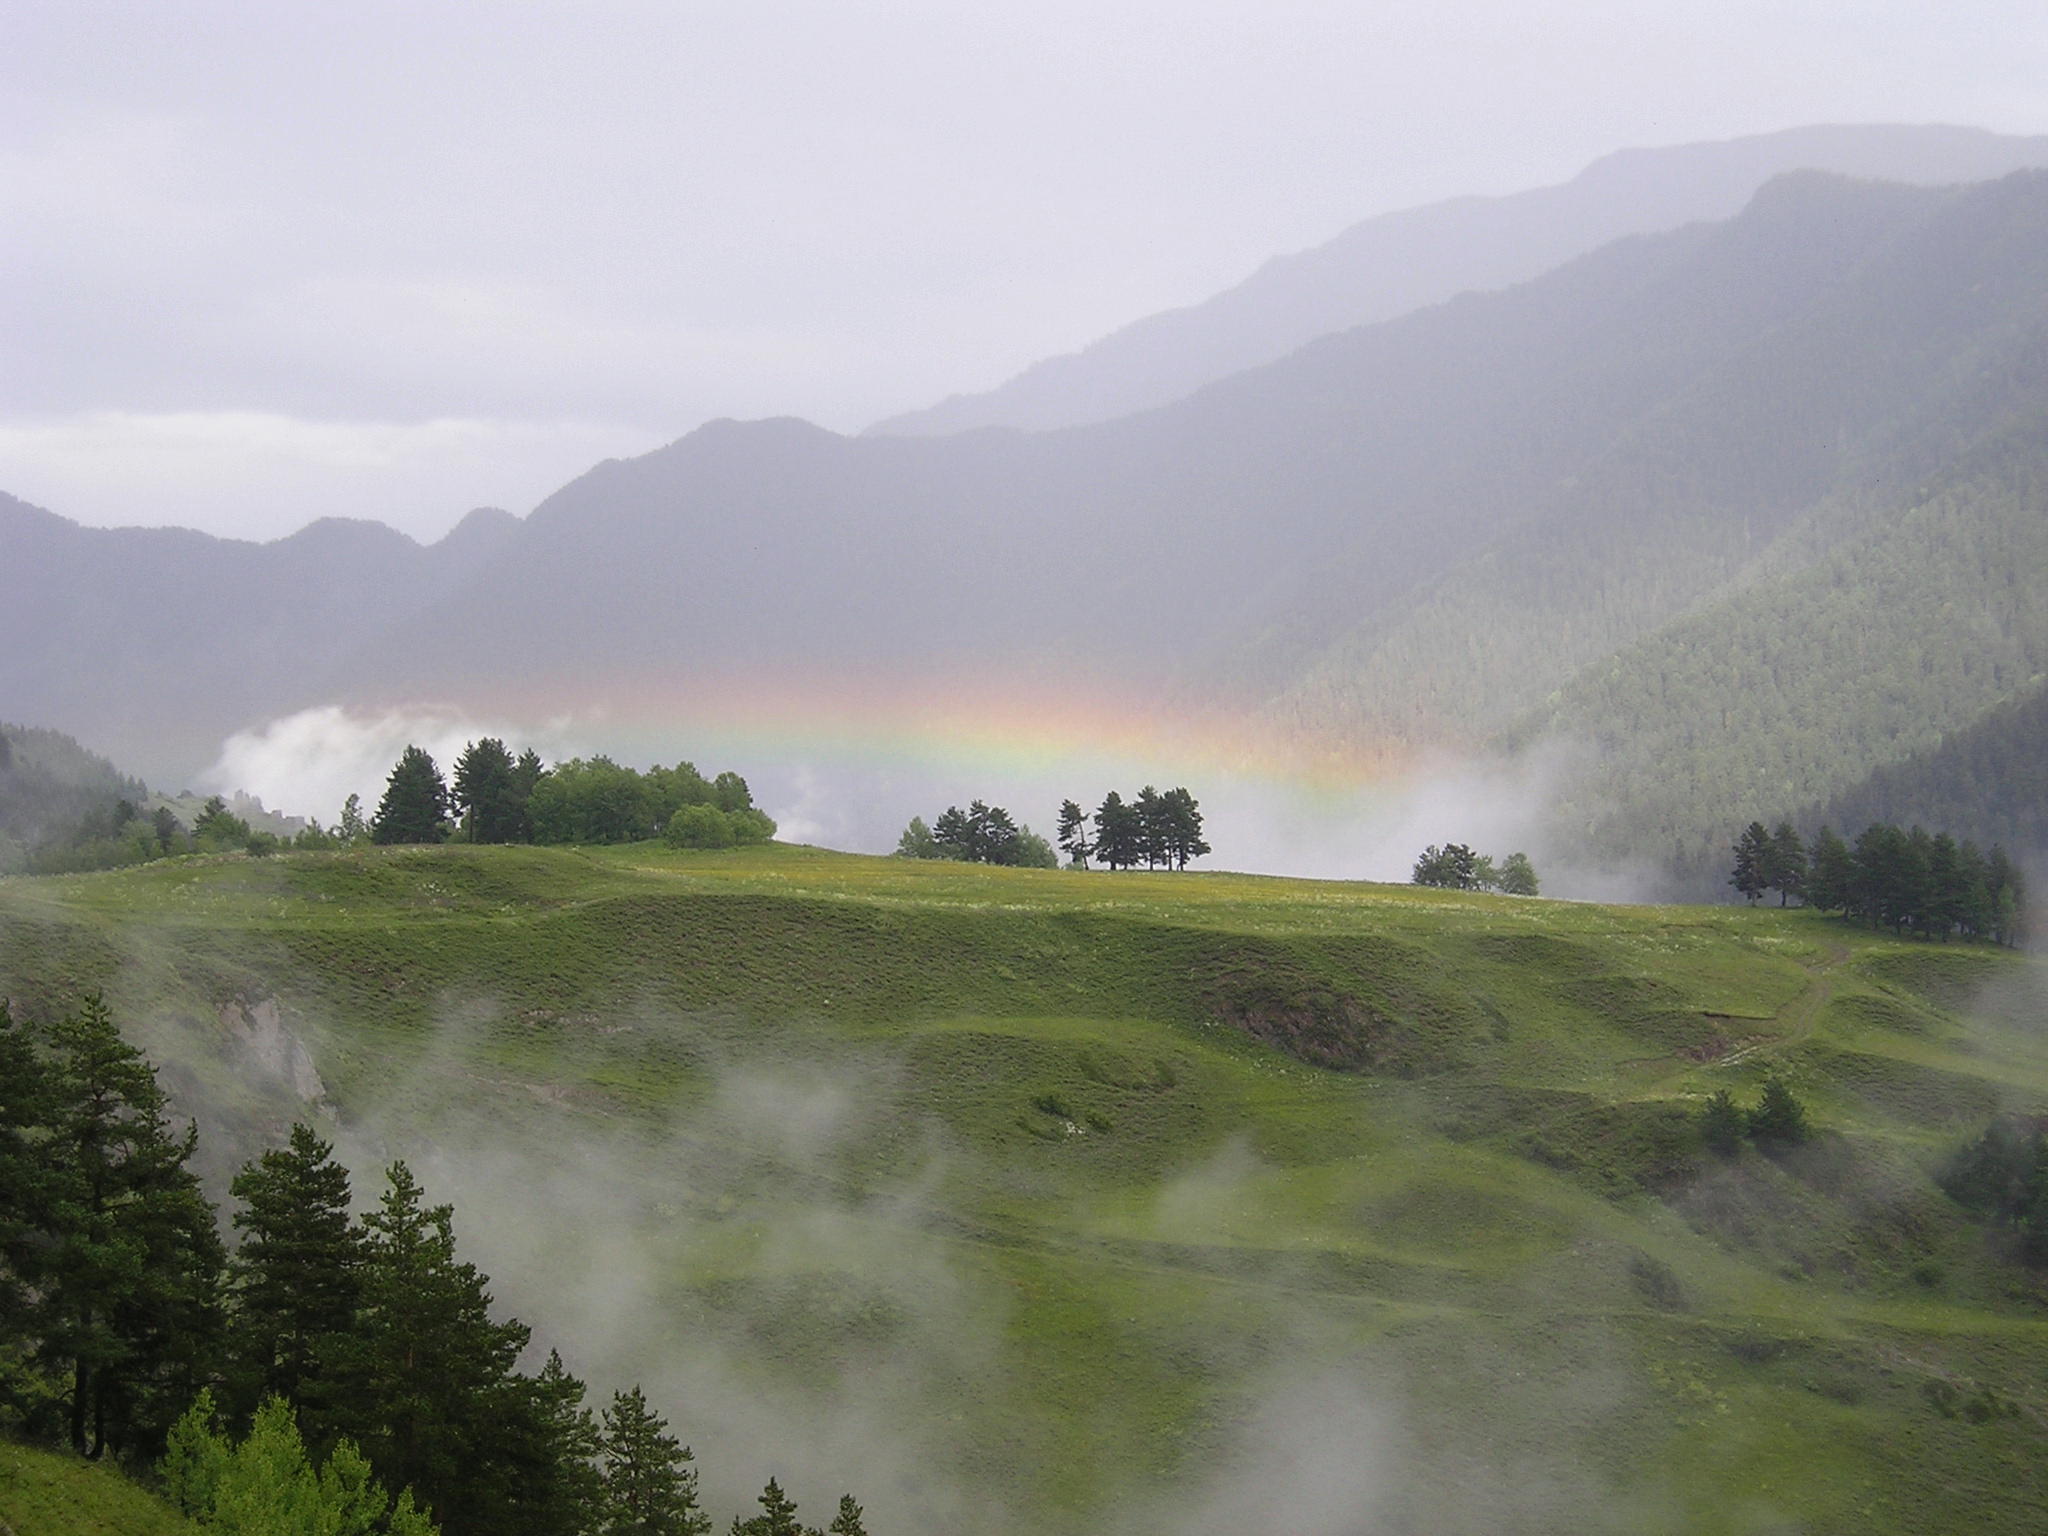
497	798
1157	829
981	834
335	1372
1911	880
1455	867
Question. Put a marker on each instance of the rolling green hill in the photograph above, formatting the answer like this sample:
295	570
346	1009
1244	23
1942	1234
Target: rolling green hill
1043	1201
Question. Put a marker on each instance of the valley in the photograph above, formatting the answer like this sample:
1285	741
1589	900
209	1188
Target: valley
1038	1201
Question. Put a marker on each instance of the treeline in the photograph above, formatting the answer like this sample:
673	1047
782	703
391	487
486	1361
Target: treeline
981	834
497	798
345	1371
1158	830
1913	880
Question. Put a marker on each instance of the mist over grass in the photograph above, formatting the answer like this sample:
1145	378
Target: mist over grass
994	1198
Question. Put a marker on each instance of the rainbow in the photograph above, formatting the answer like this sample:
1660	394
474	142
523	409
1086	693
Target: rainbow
975	720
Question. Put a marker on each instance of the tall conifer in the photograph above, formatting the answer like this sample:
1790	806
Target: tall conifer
296	1278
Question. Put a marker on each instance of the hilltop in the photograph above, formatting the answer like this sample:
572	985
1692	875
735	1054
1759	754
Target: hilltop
1136	1202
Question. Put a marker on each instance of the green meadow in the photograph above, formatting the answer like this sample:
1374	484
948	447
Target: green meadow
1044	1201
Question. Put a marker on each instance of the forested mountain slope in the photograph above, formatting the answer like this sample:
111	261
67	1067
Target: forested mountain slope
1399	262
49	784
1413	533
1793	688
1987	782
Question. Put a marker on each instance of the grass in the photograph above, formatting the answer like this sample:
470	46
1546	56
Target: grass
1061	1184
44	1493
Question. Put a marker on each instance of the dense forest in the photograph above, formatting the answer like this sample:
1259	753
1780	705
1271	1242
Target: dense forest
345	1370
1901	636
1987	782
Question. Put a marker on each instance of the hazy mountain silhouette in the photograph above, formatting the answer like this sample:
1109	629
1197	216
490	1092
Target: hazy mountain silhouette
1553	508
1399	262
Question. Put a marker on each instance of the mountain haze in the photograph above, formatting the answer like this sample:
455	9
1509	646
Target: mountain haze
1591	509
1399	262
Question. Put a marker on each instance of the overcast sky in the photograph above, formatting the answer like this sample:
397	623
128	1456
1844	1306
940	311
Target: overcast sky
264	263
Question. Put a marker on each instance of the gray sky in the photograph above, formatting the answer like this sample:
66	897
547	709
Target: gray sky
263	263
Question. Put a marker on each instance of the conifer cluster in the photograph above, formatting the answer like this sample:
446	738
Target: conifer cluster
497	798
1158	830
334	1372
1912	880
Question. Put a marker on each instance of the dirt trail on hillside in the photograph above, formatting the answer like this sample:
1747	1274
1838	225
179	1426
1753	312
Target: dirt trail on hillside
1799	1016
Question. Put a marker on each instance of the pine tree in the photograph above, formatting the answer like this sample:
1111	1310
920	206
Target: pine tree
1153	831
777	1517
1073	834
127	1282
848	1521
953	835
1181	816
1119	833
1787	865
1751	874
1778	1123
650	1486
1831	872
1453	867
1946	902
485	792
553	1483
1722	1123
415	804
296	1278
25	1110
425	1385
991	834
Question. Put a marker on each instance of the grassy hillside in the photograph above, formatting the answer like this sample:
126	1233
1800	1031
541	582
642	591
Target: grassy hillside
1040	1201
43	1493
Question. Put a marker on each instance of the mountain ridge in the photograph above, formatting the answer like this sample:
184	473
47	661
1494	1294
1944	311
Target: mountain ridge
1397	262
1411	534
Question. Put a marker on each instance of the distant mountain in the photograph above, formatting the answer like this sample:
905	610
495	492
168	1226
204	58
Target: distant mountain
1400	262
155	643
1738	513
